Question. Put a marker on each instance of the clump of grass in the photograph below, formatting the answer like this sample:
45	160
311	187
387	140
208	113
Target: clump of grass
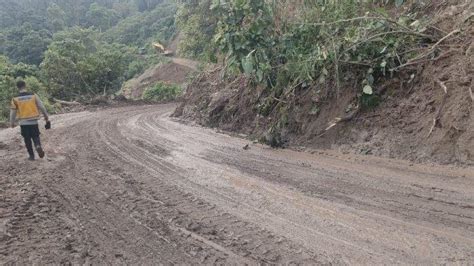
162	92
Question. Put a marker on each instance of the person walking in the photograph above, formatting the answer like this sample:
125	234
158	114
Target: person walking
26	108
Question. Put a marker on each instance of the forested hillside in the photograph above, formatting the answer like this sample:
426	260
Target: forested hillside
78	49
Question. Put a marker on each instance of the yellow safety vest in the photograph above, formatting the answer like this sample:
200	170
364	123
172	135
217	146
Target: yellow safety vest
25	106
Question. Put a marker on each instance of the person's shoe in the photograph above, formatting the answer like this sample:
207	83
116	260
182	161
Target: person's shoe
31	158
40	152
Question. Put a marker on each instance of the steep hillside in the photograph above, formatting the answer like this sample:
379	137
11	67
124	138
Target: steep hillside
425	111
174	72
78	50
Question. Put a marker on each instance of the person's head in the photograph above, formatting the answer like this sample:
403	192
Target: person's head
21	85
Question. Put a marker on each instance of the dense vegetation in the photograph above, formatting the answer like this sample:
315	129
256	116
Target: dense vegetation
320	53
162	92
287	44
197	25
77	49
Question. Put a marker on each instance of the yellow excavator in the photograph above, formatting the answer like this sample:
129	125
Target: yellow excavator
162	50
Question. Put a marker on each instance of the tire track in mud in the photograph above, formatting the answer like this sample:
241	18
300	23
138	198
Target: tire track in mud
242	235
131	186
382	215
413	226
203	233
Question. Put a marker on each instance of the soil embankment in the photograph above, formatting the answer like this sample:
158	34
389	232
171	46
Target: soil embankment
174	72
177	71
426	113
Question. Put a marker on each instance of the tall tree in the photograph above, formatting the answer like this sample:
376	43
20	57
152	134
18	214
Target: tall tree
101	17
56	17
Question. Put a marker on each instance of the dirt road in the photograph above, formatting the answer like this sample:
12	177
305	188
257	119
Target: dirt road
132	186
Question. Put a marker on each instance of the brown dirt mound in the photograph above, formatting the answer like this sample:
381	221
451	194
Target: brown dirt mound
401	127
173	72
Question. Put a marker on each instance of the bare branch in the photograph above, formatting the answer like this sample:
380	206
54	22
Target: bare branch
418	60
66	102
442	85
436	120
444	38
369	39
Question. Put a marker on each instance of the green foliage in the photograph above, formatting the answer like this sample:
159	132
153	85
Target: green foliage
24	44
27	26
9	73
141	63
101	17
245	35
7	87
197	26
146	5
77	49
316	43
36	86
399	2
77	63
162	92
142	29
56	17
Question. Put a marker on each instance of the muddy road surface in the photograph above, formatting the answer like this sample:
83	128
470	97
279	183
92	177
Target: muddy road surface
131	185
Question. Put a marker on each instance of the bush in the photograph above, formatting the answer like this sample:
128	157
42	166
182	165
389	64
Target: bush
78	63
36	86
7	91
283	45
141	63
162	92
9	74
142	29
197	26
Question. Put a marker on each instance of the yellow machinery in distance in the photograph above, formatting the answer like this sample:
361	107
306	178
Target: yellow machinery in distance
162	50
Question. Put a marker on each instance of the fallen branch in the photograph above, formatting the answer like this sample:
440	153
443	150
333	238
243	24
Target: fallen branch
324	23
444	38
441	84
327	23
416	60
66	102
432	127
472	95
436	120
338	80
369	39
333	123
279	100
229	85
338	120
356	63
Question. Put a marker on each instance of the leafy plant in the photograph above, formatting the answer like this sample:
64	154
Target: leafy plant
9	74
162	92
141	29
317	43
78	63
245	35
197	27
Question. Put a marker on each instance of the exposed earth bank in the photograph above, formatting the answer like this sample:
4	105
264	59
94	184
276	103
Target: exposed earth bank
174	72
426	112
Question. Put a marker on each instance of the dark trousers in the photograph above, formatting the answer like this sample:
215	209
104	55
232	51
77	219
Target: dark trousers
31	135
